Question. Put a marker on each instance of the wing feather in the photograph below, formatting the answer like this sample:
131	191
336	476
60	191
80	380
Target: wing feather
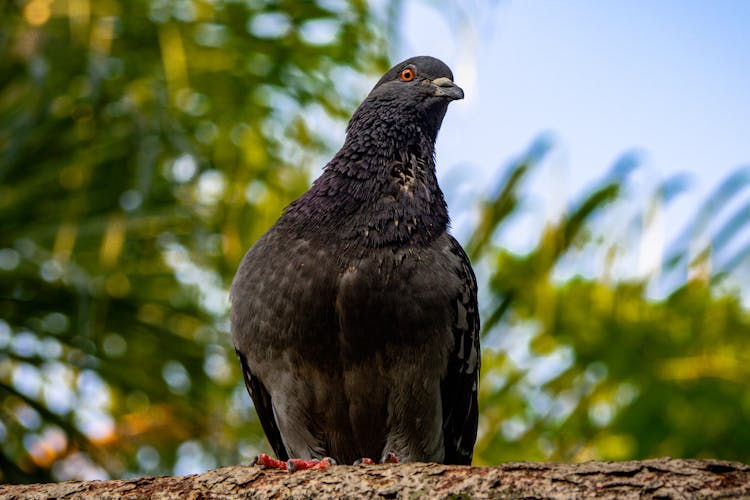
461	383
262	401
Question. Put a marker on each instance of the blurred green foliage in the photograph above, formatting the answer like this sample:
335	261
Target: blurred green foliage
592	368
145	144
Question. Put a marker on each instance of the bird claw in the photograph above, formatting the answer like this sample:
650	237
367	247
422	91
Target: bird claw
389	458
295	464
269	462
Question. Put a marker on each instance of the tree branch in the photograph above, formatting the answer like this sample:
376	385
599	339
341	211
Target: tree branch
659	478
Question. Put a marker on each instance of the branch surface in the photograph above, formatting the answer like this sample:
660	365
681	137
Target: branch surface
658	478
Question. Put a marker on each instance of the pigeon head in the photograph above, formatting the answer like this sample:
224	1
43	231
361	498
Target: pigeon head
385	171
416	91
420	78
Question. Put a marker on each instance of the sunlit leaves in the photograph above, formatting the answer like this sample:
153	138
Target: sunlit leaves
592	367
143	147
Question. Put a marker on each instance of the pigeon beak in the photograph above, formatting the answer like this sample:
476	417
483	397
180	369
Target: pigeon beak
444	87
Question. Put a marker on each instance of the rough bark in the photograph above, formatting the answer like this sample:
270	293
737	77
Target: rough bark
660	478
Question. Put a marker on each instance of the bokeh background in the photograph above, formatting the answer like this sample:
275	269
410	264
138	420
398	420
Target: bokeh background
597	174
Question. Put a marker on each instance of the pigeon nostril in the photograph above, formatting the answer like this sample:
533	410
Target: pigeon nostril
444	82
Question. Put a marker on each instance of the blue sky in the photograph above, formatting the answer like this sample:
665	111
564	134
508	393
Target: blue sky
669	79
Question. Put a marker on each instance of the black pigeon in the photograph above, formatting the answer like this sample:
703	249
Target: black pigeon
355	316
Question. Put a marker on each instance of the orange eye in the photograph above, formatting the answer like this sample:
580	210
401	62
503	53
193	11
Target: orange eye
407	75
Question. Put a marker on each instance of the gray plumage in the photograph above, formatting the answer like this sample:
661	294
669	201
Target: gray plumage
355	316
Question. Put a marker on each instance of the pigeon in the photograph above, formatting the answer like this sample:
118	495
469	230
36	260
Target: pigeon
355	315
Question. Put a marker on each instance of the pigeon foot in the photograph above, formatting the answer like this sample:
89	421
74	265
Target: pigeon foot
293	464
364	461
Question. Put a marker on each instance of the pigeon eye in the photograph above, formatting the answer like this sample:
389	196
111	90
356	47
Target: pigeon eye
407	75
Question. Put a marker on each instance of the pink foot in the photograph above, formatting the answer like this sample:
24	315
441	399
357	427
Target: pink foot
364	461
269	462
295	464
391	458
